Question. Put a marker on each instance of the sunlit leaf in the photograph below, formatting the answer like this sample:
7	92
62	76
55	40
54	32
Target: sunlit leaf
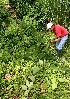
29	84
63	80
53	80
24	87
35	69
32	78
54	85
0	54
26	92
40	62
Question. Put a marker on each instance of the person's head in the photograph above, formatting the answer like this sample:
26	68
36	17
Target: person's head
50	26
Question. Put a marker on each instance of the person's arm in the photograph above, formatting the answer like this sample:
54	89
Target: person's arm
56	40
58	34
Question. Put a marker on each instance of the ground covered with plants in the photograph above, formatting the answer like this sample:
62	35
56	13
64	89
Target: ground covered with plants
29	66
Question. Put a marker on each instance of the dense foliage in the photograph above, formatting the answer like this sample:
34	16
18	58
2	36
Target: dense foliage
29	66
58	10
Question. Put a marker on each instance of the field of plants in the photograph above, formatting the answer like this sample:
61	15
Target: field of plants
29	66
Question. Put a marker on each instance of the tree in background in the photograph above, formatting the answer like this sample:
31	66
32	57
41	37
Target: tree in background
57	10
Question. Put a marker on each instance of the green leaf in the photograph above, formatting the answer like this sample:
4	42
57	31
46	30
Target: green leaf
0	54
54	85
63	80
29	84
40	62
35	69
53	80
32	78
26	92
24	87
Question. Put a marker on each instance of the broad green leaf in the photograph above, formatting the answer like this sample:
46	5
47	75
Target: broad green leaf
23	97
29	84
54	85
63	80
40	62
26	92
32	78
53	80
24	87
9	87
0	54
35	69
63	59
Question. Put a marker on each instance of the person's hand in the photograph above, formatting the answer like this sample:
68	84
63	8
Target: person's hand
55	40
52	41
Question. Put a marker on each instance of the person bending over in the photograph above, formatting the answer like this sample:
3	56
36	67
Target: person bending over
61	36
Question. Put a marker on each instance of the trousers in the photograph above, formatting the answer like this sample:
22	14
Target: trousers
61	42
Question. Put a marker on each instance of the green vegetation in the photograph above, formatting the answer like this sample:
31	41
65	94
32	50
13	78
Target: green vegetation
29	66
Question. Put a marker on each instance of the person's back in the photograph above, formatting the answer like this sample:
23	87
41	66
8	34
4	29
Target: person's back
60	31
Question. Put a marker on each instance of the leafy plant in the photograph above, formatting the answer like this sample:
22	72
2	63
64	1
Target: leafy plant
29	67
